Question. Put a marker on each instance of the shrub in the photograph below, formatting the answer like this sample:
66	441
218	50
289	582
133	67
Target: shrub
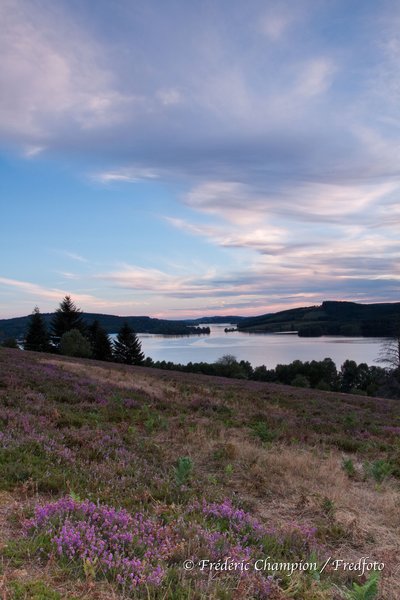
262	431
348	467
10	343
368	591
300	381
183	470
228	366
379	470
74	344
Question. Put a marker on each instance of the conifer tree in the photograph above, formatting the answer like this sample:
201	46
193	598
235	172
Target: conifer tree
127	347
37	337
67	317
99	341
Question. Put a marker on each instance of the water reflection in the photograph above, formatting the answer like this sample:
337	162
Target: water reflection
268	349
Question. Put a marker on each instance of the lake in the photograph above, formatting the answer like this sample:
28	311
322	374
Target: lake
259	348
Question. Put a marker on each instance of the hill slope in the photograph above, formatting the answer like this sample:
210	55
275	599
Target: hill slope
16	327
203	468
330	318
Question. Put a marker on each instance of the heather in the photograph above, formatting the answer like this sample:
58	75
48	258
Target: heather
112	476
135	551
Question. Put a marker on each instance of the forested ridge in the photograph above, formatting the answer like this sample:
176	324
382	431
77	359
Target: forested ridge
329	318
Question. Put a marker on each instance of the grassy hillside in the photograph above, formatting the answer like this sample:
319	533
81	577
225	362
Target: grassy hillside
112	477
330	318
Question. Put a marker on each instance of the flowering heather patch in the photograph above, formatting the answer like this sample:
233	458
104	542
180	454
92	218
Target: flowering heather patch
293	539
134	550
131	550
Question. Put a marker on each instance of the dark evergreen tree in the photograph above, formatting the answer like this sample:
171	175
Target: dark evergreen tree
67	317
127	347
37	336
99	341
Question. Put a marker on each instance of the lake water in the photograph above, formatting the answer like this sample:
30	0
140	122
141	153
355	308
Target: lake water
268	349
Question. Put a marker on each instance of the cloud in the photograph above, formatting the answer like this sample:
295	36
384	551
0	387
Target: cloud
68	275
75	256
310	271
309	235
38	291
245	204
279	19
163	283
50	297
315	77
224	198
204	102
128	175
275	25
32	151
51	75
267	238
169	96
65	85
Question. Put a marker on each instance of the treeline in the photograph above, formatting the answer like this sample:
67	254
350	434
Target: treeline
70	335
350	378
329	318
16	327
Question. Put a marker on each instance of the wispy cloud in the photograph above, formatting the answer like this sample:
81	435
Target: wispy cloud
278	18
243	203
37	291
75	256
32	151
169	96
274	26
315	77
128	175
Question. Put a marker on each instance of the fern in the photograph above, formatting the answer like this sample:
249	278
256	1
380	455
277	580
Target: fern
368	591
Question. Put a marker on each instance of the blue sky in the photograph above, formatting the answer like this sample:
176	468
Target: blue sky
180	158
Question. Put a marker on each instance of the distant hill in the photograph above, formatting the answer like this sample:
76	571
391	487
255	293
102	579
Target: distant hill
214	320
16	327
330	318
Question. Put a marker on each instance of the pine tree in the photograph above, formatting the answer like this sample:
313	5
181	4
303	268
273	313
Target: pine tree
99	341
37	337
67	317
127	347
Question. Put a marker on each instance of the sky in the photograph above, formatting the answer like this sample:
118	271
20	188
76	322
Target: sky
214	157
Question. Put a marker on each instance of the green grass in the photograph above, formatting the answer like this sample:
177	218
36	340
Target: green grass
33	590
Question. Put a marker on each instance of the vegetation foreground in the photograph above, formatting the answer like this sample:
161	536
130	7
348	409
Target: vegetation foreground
129	482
